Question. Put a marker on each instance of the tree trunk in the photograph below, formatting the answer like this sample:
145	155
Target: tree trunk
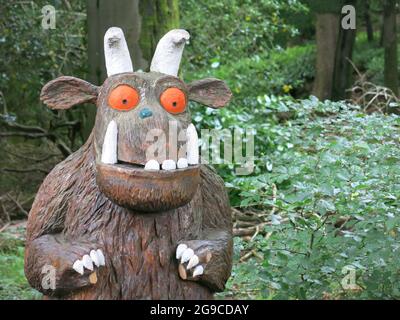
327	30
342	75
158	17
368	22
102	15
390	44
143	21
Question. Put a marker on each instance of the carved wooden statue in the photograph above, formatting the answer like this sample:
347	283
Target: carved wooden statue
116	222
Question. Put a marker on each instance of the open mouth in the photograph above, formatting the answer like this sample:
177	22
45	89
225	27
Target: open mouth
154	168
132	169
149	187
109	153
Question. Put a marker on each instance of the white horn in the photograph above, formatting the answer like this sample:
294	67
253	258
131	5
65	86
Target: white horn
167	57
116	52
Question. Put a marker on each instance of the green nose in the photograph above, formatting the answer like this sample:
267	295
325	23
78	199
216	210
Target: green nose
145	113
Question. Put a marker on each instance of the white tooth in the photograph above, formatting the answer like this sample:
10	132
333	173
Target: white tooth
95	258
168	165
186	255
182	163
152	165
192	145
194	261
87	262
100	255
198	271
179	251
109	152
78	266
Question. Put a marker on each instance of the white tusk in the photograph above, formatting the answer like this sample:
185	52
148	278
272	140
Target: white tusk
168	165
87	262
168	54
152	165
102	260
179	251
182	163
94	257
186	255
109	152
194	261
116	52
78	266
192	145
198	271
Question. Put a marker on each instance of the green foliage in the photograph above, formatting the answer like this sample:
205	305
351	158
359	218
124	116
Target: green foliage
277	72
325	6
222	31
31	56
13	284
337	179
369	58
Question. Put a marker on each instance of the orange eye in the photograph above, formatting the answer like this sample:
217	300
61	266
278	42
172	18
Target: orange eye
123	98
173	100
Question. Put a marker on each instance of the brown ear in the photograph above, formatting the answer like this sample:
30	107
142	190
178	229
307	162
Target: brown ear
211	92
65	92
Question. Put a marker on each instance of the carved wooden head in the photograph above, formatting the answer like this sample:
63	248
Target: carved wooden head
146	148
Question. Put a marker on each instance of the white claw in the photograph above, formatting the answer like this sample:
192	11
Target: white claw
192	145
87	262
95	258
198	271
152	165
179	251
78	266
168	165
110	144
194	261
182	163
186	255
100	255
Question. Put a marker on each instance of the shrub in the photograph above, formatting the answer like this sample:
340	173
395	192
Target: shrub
335	172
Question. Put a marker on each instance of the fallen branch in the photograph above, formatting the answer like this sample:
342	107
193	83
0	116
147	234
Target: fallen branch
24	135
252	253
27	170
19	206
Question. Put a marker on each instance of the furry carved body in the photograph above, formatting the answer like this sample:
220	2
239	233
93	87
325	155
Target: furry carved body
70	216
132	214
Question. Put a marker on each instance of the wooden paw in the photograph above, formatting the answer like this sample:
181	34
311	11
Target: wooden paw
191	262
95	257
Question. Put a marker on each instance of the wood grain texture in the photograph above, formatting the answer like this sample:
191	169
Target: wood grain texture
211	92
135	217
70	216
65	92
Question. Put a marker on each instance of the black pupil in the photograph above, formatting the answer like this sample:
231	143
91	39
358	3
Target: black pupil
174	103
124	101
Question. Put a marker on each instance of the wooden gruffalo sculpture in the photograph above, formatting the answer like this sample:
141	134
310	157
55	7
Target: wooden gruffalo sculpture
116	223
